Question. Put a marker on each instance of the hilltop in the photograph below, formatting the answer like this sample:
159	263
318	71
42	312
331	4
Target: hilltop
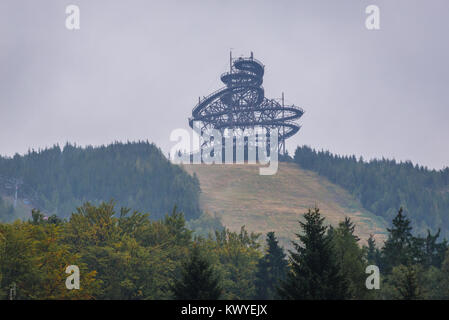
238	195
138	176
383	186
58	180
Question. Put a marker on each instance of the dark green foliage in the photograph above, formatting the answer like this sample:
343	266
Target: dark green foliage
206	224
382	186
407	282
428	252
437	280
124	255
271	269
37	217
315	273
198	279
350	258
402	248
373	255
412	267
6	211
121	255
399	247
136	175
237	255
348	228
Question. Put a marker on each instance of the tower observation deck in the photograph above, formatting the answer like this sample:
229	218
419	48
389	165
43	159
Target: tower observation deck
242	104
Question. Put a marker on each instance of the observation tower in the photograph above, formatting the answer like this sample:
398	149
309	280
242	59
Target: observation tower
242	104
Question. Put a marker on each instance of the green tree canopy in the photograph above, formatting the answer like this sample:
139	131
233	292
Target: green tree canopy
198	279
315	273
271	269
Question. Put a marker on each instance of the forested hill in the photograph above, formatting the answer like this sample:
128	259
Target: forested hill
382	186
135	175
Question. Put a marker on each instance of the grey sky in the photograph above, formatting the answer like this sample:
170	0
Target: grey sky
136	68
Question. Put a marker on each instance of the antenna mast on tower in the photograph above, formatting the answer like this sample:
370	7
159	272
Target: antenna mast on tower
230	60
283	127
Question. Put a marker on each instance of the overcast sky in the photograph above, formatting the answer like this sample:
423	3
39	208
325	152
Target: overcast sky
135	69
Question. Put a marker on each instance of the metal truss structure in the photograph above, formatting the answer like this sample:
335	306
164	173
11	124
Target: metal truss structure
242	105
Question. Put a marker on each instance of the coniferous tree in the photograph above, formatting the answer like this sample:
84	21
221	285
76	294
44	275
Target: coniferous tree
436	282
198	279
135	174
383	185
348	227
350	258
372	252
432	253
271	269
398	248
314	274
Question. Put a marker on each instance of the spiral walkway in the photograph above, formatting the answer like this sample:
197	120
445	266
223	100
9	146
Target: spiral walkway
241	104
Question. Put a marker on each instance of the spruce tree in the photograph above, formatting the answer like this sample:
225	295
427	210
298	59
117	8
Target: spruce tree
432	252
398	248
347	226
271	269
372	252
350	257
315	273
198	280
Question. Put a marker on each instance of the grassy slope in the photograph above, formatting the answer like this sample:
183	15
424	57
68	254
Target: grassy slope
238	195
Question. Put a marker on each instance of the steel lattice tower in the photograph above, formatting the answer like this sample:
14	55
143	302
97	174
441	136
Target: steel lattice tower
242	104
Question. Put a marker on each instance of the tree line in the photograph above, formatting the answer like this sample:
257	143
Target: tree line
136	175
125	255
382	186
